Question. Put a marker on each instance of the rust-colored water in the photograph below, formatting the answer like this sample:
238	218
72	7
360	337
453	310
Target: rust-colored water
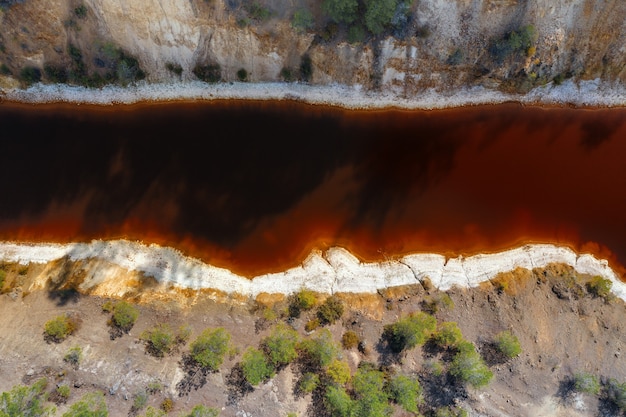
255	186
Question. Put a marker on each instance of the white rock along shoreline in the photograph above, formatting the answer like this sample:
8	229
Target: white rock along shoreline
335	270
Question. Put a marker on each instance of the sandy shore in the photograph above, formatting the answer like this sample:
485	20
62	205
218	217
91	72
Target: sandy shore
332	271
592	93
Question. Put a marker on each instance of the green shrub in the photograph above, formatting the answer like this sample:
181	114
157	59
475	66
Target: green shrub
311	325
616	393
255	366
211	73
599	287
81	11
410	331
183	335
175	68
63	391
159	341
341	11
309	382
202	411
30	75
91	404
242	75
322	350
258	12
3	276
338	402
587	383
514	42
305	299
58	328
124	316
338	372
167	405
450	412
303	20
209	348
280	345
448	335
287	75
350	340
153	412
434	367
438	302
356	33
330	310
378	14
508	344
74	355
108	306
26	401
469	368
371	398
406	392
140	399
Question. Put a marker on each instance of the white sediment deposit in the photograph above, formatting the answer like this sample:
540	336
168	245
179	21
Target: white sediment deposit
333	271
594	93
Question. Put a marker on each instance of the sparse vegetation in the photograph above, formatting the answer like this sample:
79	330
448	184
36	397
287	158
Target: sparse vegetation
90	405
258	12
3	276
209	348
330	310
616	393
30	75
174	68
59	328
203	411
4	69
587	383
508	344
410	331
440	301
74	356
81	11
287	75
256	367
140	399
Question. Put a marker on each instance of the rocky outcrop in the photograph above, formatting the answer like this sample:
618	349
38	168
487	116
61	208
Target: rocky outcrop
442	45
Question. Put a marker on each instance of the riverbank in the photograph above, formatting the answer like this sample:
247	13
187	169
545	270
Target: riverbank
333	271
592	93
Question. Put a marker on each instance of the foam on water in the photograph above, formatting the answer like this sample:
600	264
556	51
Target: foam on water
335	270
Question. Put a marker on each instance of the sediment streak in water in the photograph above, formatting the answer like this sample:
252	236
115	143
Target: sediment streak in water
333	271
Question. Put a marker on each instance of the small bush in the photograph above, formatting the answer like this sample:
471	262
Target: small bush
616	393
175	68
4	70
410	331
330	311
3	276
242	75
159	341
514	42
55	74
63	392
30	75
154	387
508	344
258	12
469	368
287	75
599	287
350	340
311	325
448	335
255	366
280	345
338	372
438	302
211	73
167	405
58	328
124	316
81	11
108	307
303	20
304	300
322	350
74	355
406	392
183	335
209	348
140	399
587	383
153	412
309	382
450	412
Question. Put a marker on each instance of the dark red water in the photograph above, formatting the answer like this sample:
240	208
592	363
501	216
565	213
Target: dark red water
254	186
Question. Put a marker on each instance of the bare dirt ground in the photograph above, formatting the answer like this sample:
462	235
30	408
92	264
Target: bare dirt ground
562	330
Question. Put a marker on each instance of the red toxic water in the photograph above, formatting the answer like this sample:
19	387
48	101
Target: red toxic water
255	186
